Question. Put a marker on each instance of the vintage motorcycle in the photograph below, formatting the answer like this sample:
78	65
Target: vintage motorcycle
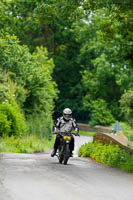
63	152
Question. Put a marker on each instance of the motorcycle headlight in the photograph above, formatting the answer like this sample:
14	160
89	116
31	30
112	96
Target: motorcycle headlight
67	137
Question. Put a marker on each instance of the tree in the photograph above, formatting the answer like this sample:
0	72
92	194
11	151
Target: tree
31	74
90	42
50	24
105	53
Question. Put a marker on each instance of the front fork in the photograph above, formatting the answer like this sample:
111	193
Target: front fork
62	147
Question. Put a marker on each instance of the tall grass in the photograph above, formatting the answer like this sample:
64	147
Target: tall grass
40	126
37	139
29	144
127	130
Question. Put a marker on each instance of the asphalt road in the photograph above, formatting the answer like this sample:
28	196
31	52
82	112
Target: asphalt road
40	177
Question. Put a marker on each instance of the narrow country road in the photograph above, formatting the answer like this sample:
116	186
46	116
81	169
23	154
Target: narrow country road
40	177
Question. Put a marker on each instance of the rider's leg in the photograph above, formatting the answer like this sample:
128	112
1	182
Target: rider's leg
56	144
71	146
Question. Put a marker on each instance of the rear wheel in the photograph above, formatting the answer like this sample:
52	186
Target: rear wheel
67	154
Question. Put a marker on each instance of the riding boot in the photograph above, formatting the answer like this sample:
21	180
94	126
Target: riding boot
53	153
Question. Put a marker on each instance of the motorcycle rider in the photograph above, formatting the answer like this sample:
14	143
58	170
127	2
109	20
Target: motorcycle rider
65	124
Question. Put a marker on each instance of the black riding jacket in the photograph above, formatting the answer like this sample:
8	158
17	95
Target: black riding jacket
63	125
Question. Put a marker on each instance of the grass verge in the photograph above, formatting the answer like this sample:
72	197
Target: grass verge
86	133
127	130
112	155
28	144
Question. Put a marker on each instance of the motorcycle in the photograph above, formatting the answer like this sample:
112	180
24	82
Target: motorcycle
63	153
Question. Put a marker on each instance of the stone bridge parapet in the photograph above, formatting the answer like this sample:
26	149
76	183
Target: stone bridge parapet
119	139
104	135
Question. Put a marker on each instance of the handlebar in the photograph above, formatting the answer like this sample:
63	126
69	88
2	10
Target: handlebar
68	133
76	134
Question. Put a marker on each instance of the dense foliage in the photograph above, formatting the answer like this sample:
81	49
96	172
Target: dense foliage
26	86
91	45
12	121
127	106
100	114
111	155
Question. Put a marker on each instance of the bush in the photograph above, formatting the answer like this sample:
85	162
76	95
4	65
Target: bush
111	155
126	105
5	125
127	130
13	120
10	89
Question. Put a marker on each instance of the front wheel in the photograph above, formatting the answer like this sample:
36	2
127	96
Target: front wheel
60	155
67	154
60	159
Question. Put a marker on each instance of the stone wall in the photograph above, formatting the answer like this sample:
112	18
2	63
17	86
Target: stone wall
104	135
119	139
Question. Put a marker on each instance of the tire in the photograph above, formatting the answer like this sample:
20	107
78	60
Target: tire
67	154
60	155
60	159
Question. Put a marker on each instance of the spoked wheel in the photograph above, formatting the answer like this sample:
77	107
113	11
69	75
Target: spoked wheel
67	154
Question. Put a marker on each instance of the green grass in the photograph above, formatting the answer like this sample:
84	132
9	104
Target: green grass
126	130
86	133
29	144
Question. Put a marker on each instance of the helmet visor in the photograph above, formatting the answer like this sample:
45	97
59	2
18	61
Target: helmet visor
67	116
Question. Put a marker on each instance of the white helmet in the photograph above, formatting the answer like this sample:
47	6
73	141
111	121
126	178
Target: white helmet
67	113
